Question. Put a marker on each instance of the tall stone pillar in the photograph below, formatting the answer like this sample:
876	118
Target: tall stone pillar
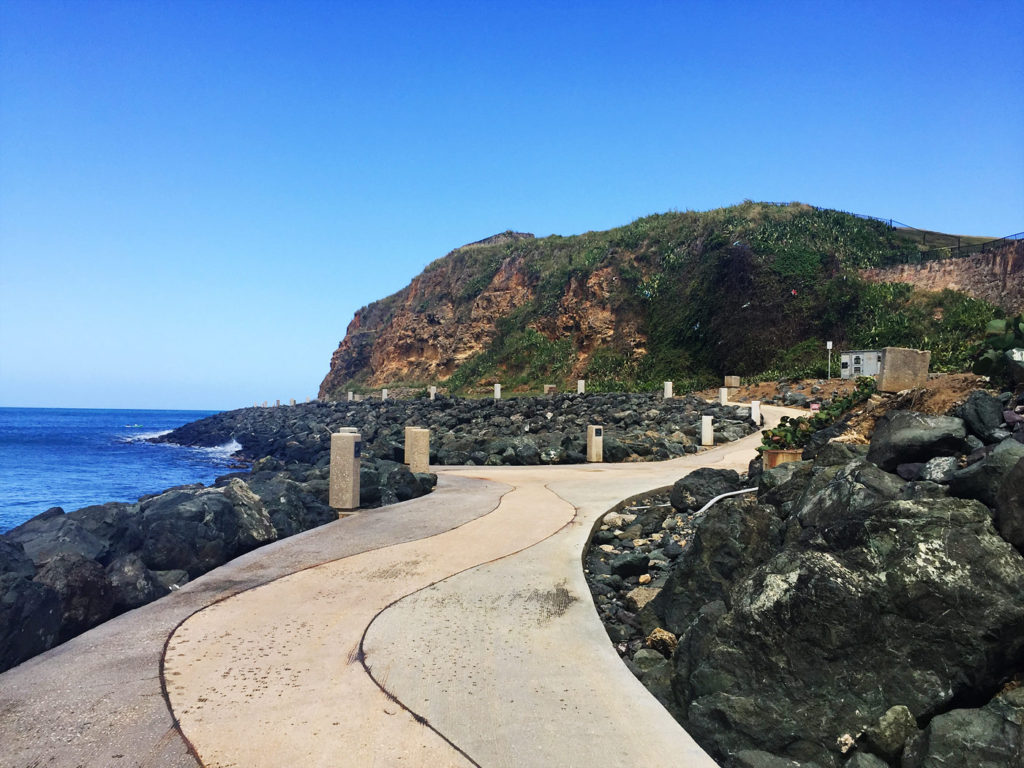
707	430
417	449
346	449
595	443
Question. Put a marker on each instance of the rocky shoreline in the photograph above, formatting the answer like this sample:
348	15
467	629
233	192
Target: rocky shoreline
62	573
863	608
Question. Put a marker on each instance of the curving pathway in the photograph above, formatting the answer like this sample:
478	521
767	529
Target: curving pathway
455	630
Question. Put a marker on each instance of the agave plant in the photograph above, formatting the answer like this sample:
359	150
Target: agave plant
1000	352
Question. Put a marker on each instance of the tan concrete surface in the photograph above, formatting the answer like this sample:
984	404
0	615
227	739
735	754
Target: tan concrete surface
505	663
96	701
482	644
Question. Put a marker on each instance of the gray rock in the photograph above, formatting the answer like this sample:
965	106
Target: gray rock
989	737
86	597
982	413
700	486
865	760
891	732
983	479
14	560
29	619
906	436
132	583
938	470
1009	507
814	639
629	564
755	758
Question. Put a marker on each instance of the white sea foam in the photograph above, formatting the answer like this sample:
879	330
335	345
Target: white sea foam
223	451
143	436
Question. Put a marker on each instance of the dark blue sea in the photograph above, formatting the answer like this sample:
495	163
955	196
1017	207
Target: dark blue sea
74	457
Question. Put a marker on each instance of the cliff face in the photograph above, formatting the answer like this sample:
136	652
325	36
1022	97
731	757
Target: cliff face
996	276
742	290
427	330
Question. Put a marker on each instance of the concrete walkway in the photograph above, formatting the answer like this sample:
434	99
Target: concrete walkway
456	629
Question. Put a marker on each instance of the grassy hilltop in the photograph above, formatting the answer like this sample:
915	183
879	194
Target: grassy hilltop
753	289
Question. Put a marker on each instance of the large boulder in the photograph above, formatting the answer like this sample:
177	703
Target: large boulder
133	584
702	485
989	737
905	436
1009	507
86	597
983	414
48	535
983	479
732	538
794	649
195	531
29	618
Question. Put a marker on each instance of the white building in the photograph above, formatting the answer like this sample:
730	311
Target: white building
860	362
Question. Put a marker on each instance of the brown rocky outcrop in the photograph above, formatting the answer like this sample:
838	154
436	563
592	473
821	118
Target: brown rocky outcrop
997	276
428	329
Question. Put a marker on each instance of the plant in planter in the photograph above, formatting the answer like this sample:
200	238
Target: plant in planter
794	433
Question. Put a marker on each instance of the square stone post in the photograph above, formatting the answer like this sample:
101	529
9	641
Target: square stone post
346	449
667	390
549	389
723	395
732	382
292	401
755	411
277	403
383	395
417	449
497	391
433	392
581	386
264	403
595	443
707	430
351	396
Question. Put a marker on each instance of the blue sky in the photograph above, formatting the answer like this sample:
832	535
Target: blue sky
195	197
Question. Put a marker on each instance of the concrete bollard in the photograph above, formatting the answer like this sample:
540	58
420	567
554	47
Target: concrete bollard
264	403
732	382
346	449
351	396
433	392
755	411
417	449
549	389
707	430
292	401
595	443
581	386
497	391
668	390
723	395
383	395
277	403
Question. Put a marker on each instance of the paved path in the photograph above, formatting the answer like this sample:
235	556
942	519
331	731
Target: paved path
456	629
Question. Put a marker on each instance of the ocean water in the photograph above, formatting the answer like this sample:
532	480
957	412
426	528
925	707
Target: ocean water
74	457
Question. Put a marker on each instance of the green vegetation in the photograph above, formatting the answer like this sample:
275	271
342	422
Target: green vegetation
796	432
1001	334
753	289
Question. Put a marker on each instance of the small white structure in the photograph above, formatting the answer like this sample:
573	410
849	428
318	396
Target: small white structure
723	395
581	386
433	392
755	411
383	395
860	362
667	393
417	449
707	430
497	391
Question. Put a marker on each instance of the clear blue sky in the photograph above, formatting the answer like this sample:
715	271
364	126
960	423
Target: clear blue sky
196	196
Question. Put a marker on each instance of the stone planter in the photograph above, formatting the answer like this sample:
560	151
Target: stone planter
775	456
